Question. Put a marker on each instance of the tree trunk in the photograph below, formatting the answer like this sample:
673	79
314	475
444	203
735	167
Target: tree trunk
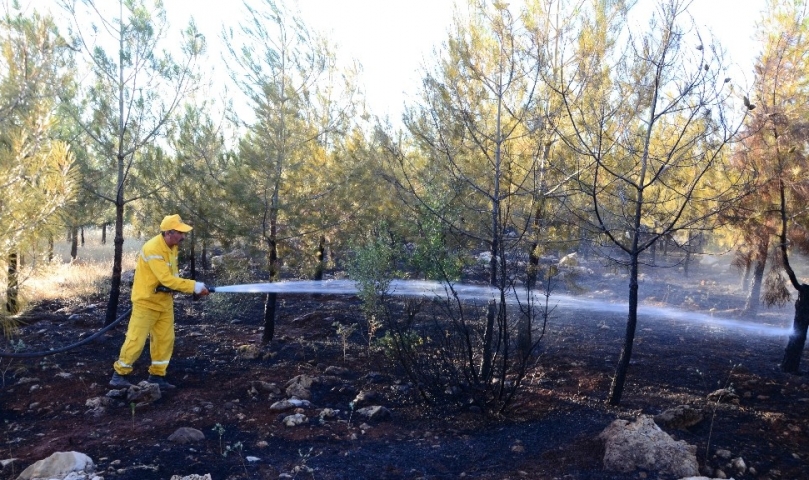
74	242
797	339
82	235
753	298
617	387
115	281
12	300
272	298
104	233
320	258
50	248
269	318
493	262
748	269
689	253
524	328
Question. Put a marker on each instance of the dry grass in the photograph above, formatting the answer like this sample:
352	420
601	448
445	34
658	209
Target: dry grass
88	275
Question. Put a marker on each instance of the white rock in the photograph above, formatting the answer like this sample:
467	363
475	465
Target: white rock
643	445
295	420
722	453
739	465
59	465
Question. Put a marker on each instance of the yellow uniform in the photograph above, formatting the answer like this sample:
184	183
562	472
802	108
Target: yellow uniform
153	312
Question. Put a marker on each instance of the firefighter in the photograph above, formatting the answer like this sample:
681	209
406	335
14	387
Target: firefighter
153	310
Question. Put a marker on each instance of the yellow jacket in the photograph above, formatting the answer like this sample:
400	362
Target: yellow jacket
157	265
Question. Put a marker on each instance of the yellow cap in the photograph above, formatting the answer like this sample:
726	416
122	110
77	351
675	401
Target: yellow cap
174	222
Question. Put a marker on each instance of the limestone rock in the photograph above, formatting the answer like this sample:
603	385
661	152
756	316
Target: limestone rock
59	465
375	413
680	417
643	445
289	404
143	393
335	370
295	420
300	387
8	462
366	397
739	465
186	435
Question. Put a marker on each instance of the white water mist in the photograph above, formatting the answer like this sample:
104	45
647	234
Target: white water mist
483	293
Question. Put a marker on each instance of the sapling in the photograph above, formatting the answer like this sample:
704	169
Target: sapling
351	413
728	385
344	331
303	467
218	428
236	447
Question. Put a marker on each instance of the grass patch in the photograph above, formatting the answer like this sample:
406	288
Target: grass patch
62	278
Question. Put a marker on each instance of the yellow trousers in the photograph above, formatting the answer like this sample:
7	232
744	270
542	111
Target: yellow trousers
159	328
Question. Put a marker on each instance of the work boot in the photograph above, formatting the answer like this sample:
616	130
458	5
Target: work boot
160	382
119	381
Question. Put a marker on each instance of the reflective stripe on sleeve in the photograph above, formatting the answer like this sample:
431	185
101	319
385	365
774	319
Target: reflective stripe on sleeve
150	257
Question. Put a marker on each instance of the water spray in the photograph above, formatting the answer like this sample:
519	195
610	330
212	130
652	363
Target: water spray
484	293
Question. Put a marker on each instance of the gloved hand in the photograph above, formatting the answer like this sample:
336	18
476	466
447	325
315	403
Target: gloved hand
200	289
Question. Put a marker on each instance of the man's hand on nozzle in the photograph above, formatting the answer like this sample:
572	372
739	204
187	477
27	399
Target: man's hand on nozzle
200	289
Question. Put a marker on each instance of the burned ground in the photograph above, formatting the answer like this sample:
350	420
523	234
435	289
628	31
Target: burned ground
549	433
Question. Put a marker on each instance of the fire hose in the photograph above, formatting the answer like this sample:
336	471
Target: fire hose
67	347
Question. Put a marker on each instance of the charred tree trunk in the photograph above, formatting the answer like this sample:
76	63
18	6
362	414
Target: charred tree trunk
493	262
104	233
115	281
320	258
533	267
12	299
617	387
272	298
269	318
81	233
74	242
690	248
797	339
